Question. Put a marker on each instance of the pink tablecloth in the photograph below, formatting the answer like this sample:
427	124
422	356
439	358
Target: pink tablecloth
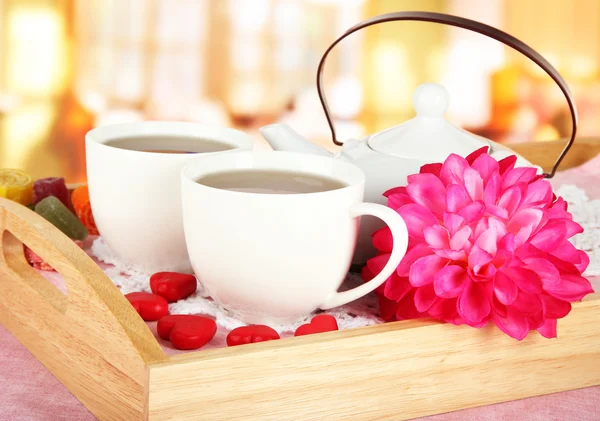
29	392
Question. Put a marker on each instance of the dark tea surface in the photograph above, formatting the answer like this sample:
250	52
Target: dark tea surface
270	182
168	144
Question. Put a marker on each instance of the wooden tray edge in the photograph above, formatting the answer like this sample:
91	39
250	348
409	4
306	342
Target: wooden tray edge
395	372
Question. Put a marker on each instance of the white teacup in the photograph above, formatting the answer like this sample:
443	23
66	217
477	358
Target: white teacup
275	258
135	195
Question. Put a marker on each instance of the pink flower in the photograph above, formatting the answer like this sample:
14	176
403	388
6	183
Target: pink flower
488	243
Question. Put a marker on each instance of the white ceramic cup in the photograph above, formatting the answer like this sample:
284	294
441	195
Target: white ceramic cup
136	195
275	258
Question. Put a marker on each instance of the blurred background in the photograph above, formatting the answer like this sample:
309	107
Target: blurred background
67	66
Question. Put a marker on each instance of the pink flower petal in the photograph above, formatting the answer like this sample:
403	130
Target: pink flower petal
366	274
450	281
472	157
473	304
406	309
505	289
550	237
488	240
416	218
453	222
547	272
506	248
382	240
446	310
483	273
396	287
536	320
397	200
491	190
432	169
517	175
548	329
387	308
423	271
456	255
485	165
395	190
527	303
460	237
585	261
473	184
481	226
525	218
498	225
572	227
538	191
453	169
479	257
377	263
412	255
427	190
473	212
554	308
499	308
510	199
571	288
514	324
457	198
437	236
507	164
424	298
560	204
525	279
524	223
563	266
497	211
507	242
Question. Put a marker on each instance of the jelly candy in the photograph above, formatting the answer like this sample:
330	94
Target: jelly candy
16	185
150	307
186	331
80	198
37	262
319	324
51	186
251	334
62	218
173	286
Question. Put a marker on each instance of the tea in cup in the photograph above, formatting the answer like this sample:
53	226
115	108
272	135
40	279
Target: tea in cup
271	235
133	173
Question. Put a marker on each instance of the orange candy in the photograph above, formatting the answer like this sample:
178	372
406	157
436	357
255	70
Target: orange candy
80	198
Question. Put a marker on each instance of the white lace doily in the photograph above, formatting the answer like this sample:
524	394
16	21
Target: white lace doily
356	314
361	312
586	212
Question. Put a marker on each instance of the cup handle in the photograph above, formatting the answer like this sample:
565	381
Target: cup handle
400	238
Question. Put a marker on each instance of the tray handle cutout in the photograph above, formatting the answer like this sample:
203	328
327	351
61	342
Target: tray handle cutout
94	310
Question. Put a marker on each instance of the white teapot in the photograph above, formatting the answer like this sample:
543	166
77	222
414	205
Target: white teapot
390	156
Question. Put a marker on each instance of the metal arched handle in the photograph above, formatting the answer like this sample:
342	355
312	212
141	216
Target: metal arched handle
471	25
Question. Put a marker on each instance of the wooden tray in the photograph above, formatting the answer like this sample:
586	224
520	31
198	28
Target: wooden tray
96	345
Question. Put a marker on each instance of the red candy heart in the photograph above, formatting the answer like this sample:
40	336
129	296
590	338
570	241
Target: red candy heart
186	331
173	286
150	307
319	324
251	334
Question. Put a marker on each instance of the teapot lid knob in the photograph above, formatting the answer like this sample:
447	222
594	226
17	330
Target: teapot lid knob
431	100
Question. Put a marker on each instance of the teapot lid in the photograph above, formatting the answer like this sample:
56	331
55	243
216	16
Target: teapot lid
428	136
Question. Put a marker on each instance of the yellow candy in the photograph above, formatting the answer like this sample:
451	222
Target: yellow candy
16	185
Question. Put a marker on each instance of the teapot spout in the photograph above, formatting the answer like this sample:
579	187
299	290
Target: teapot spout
281	137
